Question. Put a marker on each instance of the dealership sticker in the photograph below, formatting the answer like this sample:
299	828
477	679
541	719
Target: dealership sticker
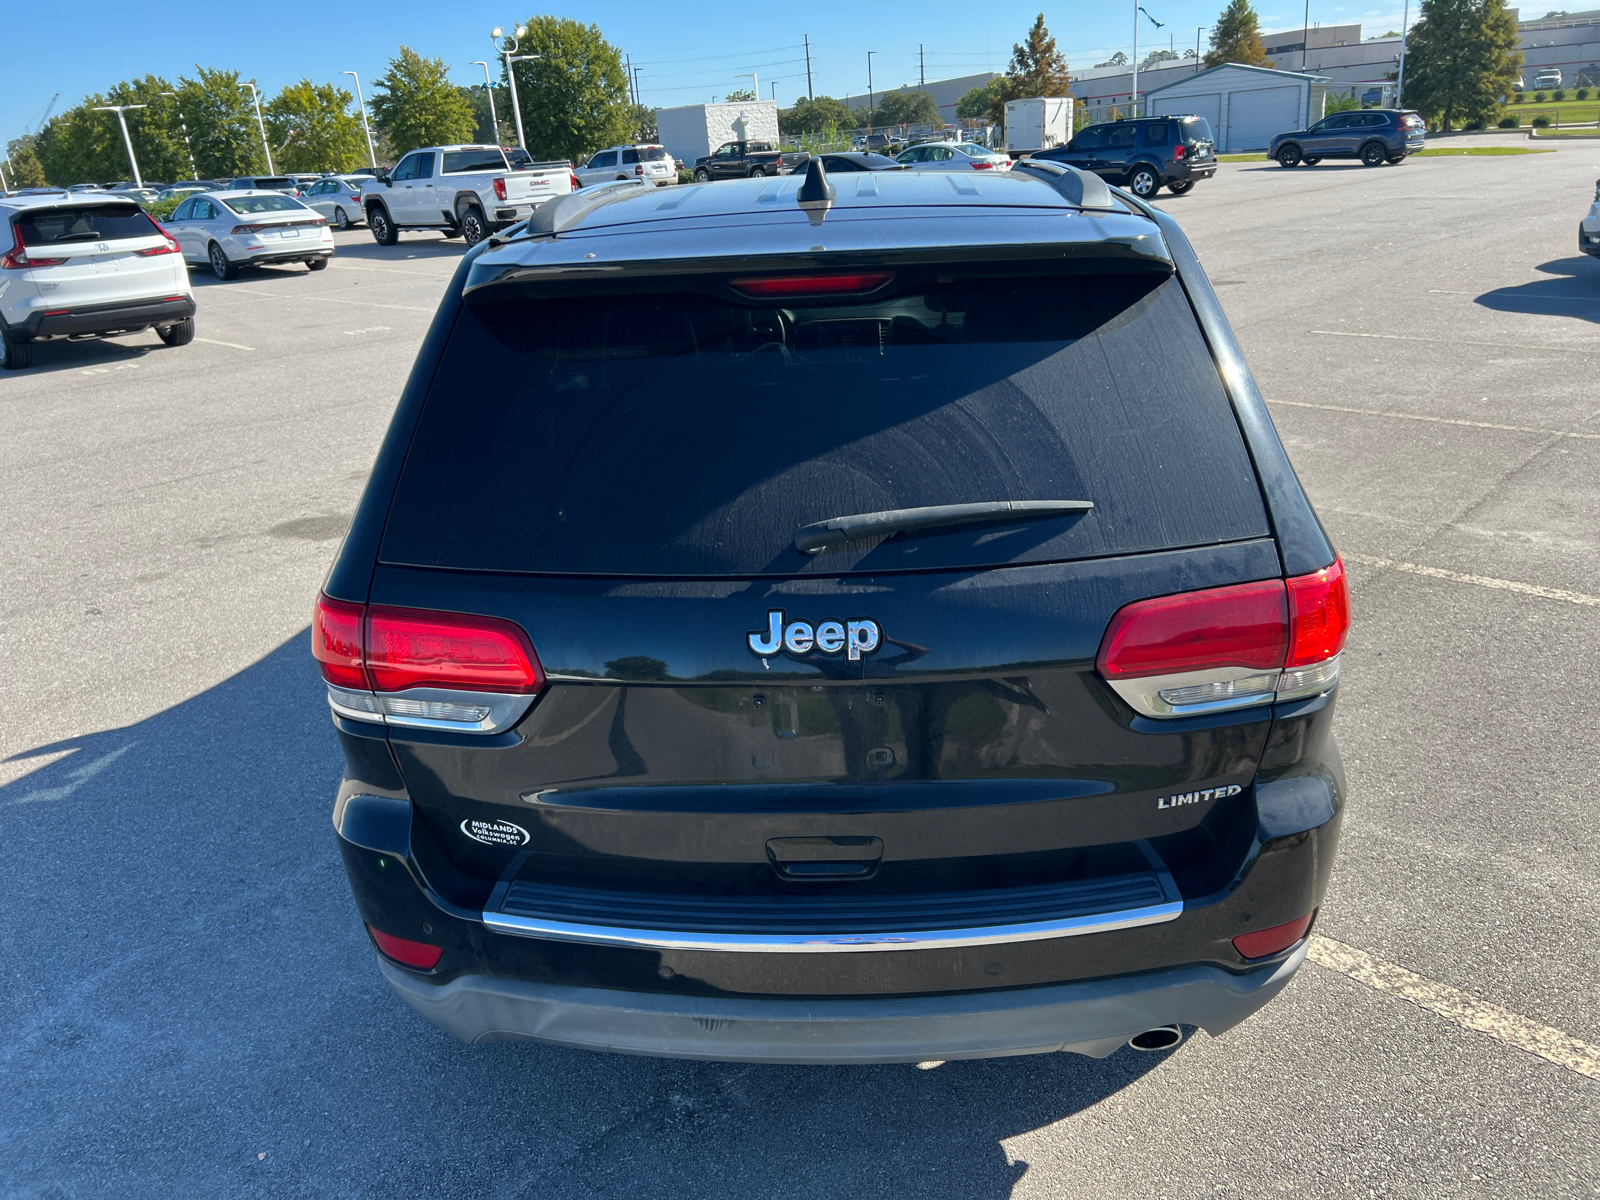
495	833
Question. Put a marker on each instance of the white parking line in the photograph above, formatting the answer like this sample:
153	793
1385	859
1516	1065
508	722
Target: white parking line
1400	416
349	266
1401	337
332	300
1506	585
1457	1007
229	345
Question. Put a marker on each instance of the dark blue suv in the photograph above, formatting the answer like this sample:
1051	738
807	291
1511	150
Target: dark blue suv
1143	155
1375	136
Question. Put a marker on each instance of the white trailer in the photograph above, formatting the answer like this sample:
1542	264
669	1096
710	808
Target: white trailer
1038	124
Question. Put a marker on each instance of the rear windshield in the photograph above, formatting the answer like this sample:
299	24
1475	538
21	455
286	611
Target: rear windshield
683	434
644	154
473	160
90	223
263	204
269	182
1196	129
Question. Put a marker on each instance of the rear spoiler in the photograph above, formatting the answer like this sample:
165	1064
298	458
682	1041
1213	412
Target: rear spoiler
1083	188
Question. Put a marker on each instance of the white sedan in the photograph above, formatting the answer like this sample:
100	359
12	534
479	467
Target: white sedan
953	156
338	197
230	230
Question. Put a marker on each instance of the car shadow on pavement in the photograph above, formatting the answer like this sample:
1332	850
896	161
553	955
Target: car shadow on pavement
411	247
96	356
1572	290
192	1006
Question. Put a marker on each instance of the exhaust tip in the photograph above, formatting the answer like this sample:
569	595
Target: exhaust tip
1162	1037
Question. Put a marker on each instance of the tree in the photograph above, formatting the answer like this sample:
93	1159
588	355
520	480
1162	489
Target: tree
82	145
1037	69
1157	56
314	125
222	124
478	96
26	169
1119	59
1236	38
739	94
977	103
906	108
1461	58
1340	102
814	116
644	123
415	104
575	96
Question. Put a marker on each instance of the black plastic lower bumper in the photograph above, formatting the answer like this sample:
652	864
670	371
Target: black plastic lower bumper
106	319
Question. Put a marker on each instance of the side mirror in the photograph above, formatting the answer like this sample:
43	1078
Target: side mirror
386	181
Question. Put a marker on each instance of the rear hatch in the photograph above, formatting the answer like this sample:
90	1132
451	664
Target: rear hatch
1197	138
624	476
648	162
95	252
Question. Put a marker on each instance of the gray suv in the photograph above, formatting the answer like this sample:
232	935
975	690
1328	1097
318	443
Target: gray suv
1374	135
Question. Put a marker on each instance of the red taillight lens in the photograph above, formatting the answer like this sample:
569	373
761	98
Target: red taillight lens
409	648
1241	626
167	247
499	189
406	952
1319	615
811	285
576	182
1269	941
1179	150
336	642
639	170
17	259
248	228
982	166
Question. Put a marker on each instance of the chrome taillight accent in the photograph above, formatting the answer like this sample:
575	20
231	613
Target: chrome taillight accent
443	709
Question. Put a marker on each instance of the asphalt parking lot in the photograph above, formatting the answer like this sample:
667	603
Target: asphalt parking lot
189	1004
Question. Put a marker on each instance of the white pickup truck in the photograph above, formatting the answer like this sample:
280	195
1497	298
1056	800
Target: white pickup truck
467	191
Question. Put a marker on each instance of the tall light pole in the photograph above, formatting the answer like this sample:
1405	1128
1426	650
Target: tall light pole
506	47
1198	31
127	141
4	186
1137	9
1305	38
372	155
751	76
488	86
194	172
1400	79
260	124
870	53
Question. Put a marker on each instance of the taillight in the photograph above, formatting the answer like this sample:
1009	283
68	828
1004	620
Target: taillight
639	170
16	259
167	247
1179	150
979	165
499	189
1229	647
430	670
404	951
1270	941
576	182
248	228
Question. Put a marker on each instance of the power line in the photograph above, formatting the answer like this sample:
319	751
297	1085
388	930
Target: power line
661	62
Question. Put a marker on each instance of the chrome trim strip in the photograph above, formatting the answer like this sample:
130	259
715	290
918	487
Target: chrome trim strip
502	709
799	943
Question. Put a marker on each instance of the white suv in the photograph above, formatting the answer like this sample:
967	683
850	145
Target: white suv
87	265
647	162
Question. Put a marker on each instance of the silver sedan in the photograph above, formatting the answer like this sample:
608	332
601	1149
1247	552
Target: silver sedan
235	229
953	156
338	197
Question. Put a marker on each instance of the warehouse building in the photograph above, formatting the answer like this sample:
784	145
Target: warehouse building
1246	106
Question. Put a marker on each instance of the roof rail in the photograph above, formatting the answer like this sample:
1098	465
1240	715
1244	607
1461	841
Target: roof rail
1083	188
558	215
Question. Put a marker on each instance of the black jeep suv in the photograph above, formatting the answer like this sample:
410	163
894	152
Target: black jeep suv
1143	155
874	622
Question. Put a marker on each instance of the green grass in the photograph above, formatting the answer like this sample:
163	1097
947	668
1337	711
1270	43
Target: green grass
1590	132
1439	152
1571	110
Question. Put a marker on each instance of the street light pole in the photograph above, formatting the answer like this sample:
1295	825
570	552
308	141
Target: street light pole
497	36
488	86
870	53
751	76
372	155
260	124
1133	98
194	171
127	141
1400	79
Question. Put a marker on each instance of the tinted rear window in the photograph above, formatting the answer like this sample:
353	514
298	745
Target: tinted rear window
682	434
645	154
1196	129
263	204
91	223
473	160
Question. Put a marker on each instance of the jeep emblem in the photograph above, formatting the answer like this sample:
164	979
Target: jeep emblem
855	638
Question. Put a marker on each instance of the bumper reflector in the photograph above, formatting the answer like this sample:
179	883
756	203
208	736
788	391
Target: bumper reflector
406	952
1269	941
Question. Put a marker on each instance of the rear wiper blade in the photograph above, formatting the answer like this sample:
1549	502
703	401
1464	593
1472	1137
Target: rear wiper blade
838	530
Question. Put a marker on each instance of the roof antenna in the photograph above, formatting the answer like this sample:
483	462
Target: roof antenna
816	194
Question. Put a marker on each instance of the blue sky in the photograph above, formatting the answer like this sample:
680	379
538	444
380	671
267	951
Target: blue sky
689	52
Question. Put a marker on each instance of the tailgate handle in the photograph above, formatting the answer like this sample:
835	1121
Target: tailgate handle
825	857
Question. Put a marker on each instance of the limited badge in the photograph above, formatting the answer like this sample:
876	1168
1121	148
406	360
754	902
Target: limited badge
495	833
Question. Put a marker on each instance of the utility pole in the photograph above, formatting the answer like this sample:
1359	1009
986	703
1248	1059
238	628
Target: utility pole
194	172
1305	36
260	124
127	141
870	53
809	96
1133	98
372	154
1197	34
922	67
1400	80
627	67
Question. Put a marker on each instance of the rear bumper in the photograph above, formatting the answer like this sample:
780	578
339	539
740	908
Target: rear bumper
1092	1017
124	317
257	258
1589	240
